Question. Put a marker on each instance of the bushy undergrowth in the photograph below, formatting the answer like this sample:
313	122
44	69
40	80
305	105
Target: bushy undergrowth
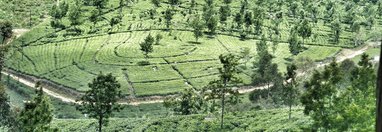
261	120
22	13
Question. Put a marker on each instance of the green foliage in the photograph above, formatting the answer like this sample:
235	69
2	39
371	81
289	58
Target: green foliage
290	92
228	73
101	100
100	4
75	14
304	64
248	18
37	114
95	16
18	93
64	58
209	16
25	14
147	45
209	2
188	102
355	106
258	16
168	15
262	46
192	3
158	38
256	120
115	21
238	19
198	26
4	50
227	1
156	2
320	93
212	24
58	12
225	12
217	89
336	29
5	108
55	12
361	77
304	30
241	121
275	44
245	55
265	71
351	108
5	30
143	63
89	125
174	2
258	94
293	8
294	44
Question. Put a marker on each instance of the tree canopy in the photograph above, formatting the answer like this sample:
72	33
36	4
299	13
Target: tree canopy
101	100
37	114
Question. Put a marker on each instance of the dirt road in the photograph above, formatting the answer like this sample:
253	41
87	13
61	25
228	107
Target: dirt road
47	91
19	32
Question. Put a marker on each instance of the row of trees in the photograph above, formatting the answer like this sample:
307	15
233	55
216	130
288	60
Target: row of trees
337	88
194	101
248	18
99	102
339	98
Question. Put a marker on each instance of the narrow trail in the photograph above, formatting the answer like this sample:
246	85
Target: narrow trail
32	85
346	54
16	34
19	32
341	56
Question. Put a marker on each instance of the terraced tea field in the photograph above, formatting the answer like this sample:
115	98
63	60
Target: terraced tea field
177	62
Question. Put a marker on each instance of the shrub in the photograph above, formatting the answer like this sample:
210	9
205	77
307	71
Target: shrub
258	94
143	63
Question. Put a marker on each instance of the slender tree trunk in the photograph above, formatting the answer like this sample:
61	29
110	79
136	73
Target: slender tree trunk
1	69
290	104
290	110
303	42
223	100
379	96
100	124
290	99
2	58
222	116
268	90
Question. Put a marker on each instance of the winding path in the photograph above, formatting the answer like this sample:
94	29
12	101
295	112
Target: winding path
32	85
343	55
